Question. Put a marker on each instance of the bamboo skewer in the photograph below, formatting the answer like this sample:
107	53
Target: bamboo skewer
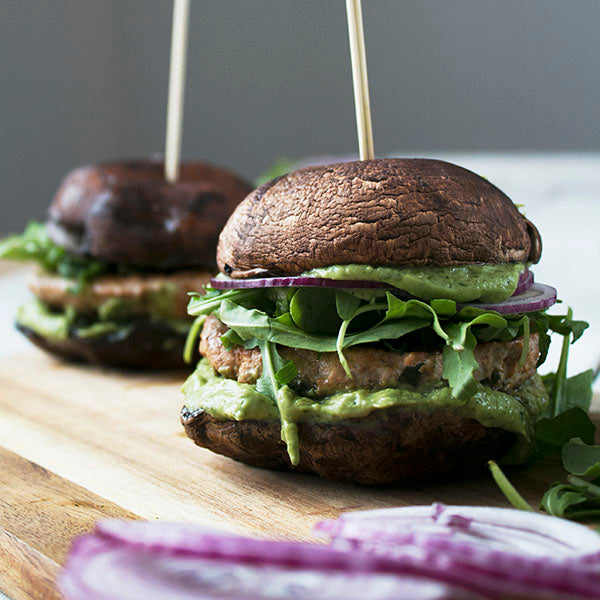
179	36
359	79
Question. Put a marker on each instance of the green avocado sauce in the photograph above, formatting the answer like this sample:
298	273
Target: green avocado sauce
157	304
60	325
227	399
39	318
463	283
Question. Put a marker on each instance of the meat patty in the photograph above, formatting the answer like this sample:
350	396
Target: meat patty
142	291
321	374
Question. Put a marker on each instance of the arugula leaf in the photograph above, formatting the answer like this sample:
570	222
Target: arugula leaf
459	356
315	310
286	373
460	364
468	313
210	302
386	331
581	458
35	245
348	308
282	166
540	326
552	433
589	487
566	393
569	502
576	391
271	363
339	346
577	499
280	297
558	383
402	309
489	320
444	308
566	326
526	336
346	304
253	323
270	383
507	488
230	338
192	337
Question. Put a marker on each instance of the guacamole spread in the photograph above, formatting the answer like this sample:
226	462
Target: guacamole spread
62	324
227	399
463	283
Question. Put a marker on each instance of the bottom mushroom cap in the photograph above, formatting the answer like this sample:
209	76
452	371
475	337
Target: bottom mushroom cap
389	446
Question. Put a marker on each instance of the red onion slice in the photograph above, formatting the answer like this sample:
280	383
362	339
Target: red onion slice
528	296
422	553
538	297
131	560
223	283
524	283
298	281
501	552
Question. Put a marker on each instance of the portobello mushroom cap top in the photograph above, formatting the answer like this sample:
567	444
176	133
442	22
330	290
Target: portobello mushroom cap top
382	212
127	213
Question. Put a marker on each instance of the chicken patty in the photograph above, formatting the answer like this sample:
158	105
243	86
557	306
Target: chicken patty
321	374
144	293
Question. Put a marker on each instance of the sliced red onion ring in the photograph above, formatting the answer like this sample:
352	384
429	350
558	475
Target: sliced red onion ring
299	281
423	553
498	552
538	297
131	560
524	283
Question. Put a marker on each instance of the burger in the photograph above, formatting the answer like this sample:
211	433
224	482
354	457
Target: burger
373	322
117	255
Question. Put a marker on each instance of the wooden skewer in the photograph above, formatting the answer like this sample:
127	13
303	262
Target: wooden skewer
179	35
359	79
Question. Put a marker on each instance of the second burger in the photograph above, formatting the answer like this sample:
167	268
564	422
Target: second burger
117	256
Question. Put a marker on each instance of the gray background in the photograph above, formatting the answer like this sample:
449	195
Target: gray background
85	80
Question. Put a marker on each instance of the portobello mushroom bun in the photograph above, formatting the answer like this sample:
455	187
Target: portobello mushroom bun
373	322
118	254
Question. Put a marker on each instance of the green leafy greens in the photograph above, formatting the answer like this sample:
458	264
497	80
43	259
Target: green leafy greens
567	431
282	166
327	320
507	488
568	392
35	245
272	383
579	498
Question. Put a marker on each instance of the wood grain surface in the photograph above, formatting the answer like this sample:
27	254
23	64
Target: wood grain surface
79	443
40	514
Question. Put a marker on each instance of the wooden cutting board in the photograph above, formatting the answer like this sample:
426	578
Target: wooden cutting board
79	443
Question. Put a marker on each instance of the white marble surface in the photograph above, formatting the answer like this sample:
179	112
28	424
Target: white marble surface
561	194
